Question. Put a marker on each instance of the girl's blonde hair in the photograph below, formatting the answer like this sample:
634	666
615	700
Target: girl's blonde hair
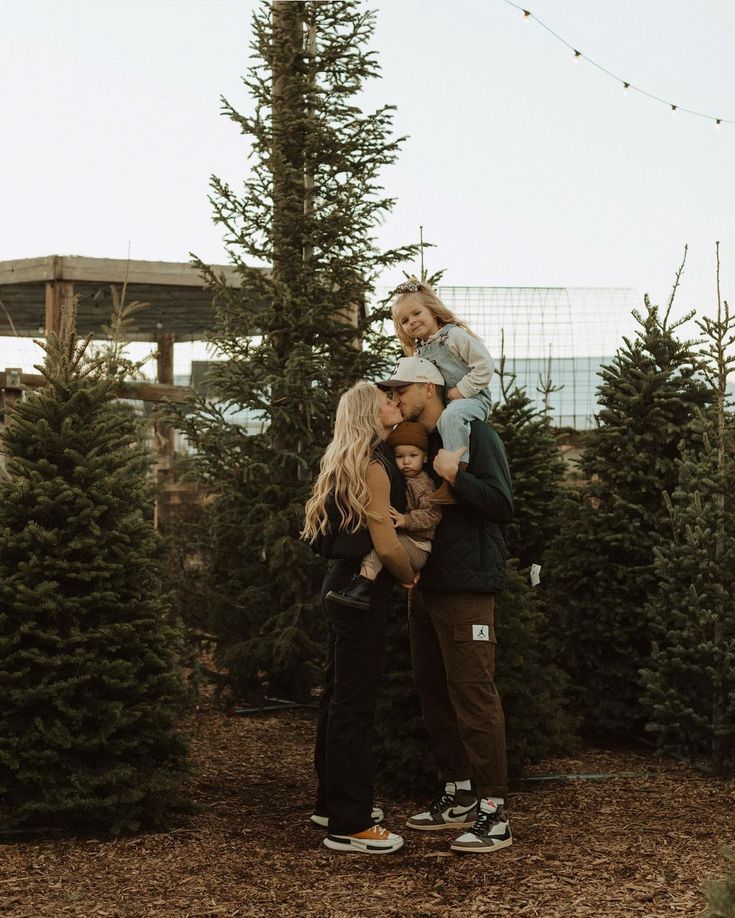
413	287
344	465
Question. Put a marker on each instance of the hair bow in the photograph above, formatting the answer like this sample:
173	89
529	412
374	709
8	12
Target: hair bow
408	286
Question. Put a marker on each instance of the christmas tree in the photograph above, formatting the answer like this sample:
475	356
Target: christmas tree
294	336
600	568
690	683
536	466
89	689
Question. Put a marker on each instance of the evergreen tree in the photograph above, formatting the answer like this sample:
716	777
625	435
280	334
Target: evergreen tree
89	690
291	335
600	569
536	466
720	894
690	684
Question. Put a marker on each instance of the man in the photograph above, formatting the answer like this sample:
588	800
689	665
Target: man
452	623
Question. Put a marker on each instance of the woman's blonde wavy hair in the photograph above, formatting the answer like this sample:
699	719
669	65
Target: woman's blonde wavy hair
344	465
428	298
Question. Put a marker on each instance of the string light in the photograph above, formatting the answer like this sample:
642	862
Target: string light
528	15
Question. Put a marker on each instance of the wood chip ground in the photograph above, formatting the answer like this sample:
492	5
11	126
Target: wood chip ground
634	845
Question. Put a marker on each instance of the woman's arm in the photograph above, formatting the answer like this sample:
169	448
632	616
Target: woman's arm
385	541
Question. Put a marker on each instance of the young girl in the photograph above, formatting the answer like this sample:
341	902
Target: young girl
426	328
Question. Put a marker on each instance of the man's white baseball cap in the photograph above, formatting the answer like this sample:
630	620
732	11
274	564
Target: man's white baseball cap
413	370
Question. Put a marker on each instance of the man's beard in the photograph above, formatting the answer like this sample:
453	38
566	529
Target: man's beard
409	414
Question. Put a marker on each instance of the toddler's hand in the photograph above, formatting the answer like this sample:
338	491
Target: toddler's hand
398	519
454	393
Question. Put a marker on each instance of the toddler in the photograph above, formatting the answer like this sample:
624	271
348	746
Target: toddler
426	328
416	526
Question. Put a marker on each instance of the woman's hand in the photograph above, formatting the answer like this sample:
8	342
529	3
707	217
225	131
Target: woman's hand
398	519
454	393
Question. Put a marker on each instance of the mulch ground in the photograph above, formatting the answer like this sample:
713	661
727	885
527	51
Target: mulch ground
630	845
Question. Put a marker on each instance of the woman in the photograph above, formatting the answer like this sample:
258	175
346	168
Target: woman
348	513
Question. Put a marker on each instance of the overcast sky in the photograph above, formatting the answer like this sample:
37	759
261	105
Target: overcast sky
525	166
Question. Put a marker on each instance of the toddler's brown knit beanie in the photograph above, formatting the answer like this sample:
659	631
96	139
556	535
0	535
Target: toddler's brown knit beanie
409	433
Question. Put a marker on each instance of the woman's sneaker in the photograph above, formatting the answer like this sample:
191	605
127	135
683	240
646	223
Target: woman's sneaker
490	832
453	810
319	819
375	840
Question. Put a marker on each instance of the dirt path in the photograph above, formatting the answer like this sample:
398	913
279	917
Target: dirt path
628	846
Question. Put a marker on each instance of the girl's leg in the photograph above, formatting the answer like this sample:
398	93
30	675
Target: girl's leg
454	423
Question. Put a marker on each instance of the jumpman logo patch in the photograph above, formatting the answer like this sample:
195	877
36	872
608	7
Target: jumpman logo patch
480	633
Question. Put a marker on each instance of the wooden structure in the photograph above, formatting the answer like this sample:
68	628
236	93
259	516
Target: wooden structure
37	293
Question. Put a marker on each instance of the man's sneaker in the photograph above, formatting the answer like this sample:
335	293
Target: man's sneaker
490	832
453	810
356	594
375	840
320	819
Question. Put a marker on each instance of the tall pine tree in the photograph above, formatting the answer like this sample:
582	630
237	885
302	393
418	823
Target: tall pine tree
294	336
89	689
690	683
600	568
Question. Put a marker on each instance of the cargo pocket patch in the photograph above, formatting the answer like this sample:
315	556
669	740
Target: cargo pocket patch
471	632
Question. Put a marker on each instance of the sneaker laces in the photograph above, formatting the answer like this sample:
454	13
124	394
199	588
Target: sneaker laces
441	803
379	832
482	822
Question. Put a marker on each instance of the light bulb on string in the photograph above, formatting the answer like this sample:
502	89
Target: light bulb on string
626	86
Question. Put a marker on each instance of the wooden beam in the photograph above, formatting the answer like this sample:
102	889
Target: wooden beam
27	270
165	357
155	392
143	390
59	304
108	271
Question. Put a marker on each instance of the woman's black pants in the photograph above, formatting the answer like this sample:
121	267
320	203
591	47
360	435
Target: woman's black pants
343	756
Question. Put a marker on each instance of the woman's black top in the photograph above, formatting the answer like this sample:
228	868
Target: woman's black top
351	546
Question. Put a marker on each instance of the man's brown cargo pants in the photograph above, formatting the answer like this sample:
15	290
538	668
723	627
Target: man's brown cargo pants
453	654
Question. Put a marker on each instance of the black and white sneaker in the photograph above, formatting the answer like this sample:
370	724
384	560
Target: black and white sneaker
491	831
320	819
453	810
